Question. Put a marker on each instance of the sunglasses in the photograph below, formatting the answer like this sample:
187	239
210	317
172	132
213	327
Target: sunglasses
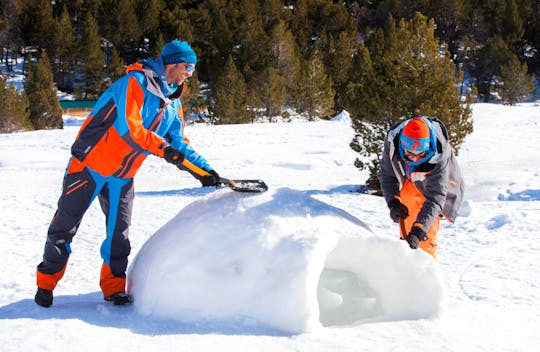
190	68
409	154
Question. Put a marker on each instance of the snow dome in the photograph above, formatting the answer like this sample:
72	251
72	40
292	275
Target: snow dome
281	260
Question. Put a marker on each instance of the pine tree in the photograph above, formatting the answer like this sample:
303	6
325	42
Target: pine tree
115	69
222	40
160	42
271	92
148	16
450	17
286	58
13	110
64	50
45	111
515	83
486	64
513	30
118	23
338	49
10	32
317	98
91	58
271	12
193	101
37	23
254	53
230	96
405	75
202	31
183	27
531	9
300	25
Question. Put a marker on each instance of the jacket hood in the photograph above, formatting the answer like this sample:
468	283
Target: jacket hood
158	68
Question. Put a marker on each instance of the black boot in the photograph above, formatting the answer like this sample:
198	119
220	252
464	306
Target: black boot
119	298
44	297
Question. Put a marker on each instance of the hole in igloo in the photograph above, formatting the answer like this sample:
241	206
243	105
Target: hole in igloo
344	296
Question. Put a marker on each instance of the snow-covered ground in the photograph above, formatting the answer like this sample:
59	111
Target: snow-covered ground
481	295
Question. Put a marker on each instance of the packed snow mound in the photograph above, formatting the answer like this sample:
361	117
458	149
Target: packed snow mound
282	261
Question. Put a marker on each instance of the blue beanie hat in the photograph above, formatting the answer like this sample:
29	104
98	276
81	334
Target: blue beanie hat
178	51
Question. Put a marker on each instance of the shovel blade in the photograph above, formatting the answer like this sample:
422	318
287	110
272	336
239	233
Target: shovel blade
247	186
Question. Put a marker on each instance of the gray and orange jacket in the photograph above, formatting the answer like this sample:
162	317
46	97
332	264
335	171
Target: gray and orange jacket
438	178
138	115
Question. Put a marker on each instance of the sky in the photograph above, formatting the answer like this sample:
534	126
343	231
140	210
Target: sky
310	265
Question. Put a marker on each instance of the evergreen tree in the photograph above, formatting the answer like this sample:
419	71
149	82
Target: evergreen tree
286	58
494	12
183	29
513	27
271	12
300	25
515	83
450	17
338	51
91	58
223	40
254	53
115	69
148	16
45	111
486	64
118	23
331	17
160	42
10	32
193	101
63	50
532	33
272	93
405	75
203	33
317	97
37	23
230	96
13	110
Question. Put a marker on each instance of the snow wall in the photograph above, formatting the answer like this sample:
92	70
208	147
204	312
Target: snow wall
281	261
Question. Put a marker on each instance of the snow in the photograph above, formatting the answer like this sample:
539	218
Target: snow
280	261
310	265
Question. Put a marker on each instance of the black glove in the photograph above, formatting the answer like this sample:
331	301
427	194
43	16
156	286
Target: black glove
397	210
210	180
416	235
173	156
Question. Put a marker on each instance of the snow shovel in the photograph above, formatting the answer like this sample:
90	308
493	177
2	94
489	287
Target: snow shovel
244	186
403	231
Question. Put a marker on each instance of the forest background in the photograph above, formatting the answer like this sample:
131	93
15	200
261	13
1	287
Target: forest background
382	61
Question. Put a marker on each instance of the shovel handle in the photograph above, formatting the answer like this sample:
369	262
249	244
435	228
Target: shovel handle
402	228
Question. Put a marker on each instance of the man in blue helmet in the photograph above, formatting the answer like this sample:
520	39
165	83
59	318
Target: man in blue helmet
140	114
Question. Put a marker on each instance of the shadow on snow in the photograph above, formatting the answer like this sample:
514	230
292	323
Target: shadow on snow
92	309
528	195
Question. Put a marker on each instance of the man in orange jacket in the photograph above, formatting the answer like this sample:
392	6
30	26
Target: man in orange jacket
420	179
140	114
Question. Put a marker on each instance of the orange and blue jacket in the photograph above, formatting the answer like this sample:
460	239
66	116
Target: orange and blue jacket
138	115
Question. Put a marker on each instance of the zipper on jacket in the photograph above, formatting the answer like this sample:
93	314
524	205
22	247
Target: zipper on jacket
157	120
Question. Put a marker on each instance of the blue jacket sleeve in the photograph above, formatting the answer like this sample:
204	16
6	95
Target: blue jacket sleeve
193	160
